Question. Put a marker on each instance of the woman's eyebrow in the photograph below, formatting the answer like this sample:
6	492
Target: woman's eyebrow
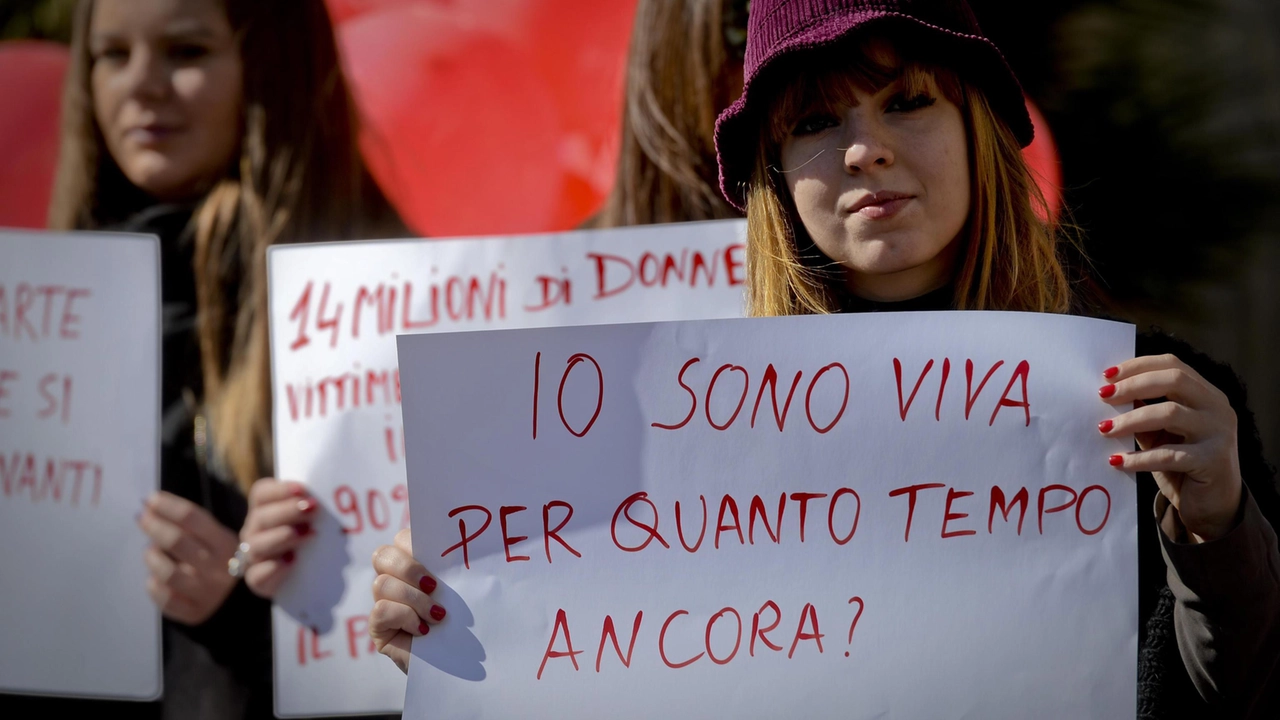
104	37
189	30
181	30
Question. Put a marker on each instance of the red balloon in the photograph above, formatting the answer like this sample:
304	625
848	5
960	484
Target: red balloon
31	75
490	116
582	47
1042	157
343	10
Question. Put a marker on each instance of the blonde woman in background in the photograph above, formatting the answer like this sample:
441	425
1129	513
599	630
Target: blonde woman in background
223	126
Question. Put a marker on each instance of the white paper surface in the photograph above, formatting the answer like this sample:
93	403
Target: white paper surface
79	453
990	621
337	413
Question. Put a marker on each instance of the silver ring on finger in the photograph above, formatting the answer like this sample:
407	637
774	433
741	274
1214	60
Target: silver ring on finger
239	562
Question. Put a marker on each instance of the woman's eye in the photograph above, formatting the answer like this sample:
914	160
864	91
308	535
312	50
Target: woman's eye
907	104
814	124
187	52
112	54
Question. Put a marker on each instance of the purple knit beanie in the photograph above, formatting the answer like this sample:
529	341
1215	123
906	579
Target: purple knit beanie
778	29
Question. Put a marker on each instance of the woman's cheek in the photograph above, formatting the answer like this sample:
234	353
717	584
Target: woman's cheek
945	159
961	191
107	98
213	99
190	85
809	196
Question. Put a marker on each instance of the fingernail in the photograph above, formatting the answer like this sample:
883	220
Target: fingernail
428	584
287	557
297	491
306	505
1116	460
1110	372
437	613
1105	426
302	529
1107	391
423	628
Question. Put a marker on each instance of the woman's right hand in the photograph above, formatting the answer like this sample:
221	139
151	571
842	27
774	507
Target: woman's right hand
402	607
279	520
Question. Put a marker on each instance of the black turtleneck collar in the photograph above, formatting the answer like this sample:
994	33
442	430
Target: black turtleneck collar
941	299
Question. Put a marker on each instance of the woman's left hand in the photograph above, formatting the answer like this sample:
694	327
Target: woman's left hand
187	558
279	520
1188	443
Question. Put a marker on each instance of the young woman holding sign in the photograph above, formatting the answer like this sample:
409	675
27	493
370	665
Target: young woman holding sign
223	126
876	153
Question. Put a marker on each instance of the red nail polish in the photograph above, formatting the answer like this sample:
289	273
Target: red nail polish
1107	391
1110	372
297	491
423	628
287	557
303	529
1105	426
1116	460
437	613
428	584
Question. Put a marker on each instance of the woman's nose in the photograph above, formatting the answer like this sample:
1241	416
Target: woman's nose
146	75
866	147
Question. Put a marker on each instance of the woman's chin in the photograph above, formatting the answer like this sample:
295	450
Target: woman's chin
892	275
162	181
890	253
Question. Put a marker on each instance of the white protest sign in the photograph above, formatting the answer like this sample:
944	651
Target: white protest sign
905	515
79	453
335	311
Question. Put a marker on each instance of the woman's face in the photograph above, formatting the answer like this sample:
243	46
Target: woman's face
167	91
882	187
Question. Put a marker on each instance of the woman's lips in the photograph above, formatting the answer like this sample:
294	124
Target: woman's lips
151	135
880	205
884	210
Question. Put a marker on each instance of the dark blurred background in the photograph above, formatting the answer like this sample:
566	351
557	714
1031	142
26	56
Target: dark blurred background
36	19
1167	118
1166	114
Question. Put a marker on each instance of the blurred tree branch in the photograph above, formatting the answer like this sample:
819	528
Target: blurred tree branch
1174	110
36	19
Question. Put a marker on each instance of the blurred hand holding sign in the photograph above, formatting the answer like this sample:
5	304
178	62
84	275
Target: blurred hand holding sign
79	453
904	515
335	311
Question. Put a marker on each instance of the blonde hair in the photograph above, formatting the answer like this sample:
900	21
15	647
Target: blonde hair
299	176
1009	259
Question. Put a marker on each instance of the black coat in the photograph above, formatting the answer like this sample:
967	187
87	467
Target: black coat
221	668
1164	688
